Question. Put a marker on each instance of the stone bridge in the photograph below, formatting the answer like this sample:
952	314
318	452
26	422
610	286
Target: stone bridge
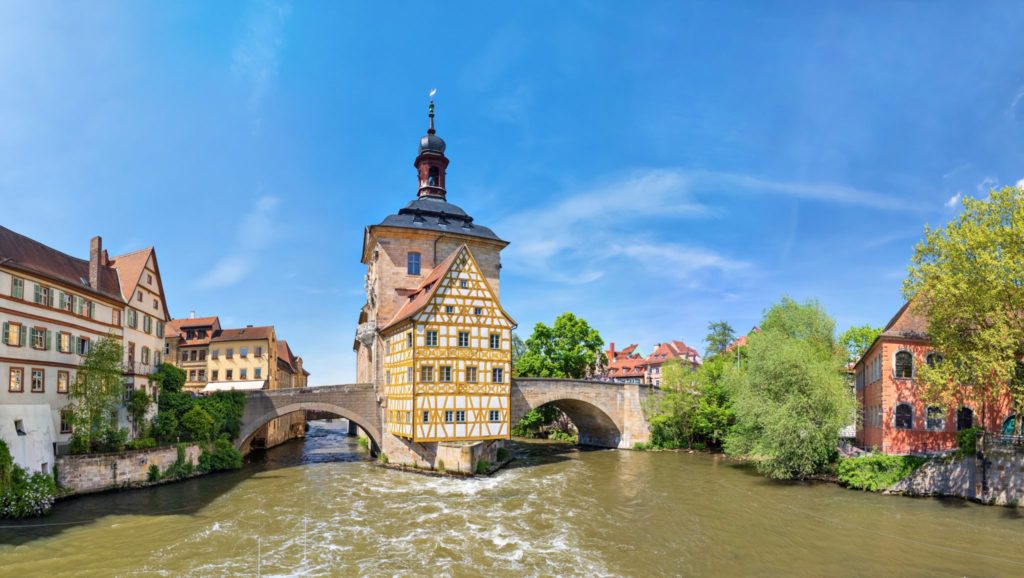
607	414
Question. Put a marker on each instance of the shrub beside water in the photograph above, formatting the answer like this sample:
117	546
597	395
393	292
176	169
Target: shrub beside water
876	473
967	441
223	457
23	495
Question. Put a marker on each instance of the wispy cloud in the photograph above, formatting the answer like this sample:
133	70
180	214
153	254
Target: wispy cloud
254	234
954	200
1015	103
826	192
1020	183
256	56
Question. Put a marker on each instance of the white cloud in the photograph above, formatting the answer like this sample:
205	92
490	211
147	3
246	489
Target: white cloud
254	234
1012	109
986	185
954	200
1020	183
827	192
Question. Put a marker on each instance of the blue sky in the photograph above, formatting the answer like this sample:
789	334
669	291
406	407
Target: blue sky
654	165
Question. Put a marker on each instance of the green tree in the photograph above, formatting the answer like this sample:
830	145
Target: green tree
168	377
791	400
518	349
198	424
94	396
695	408
720	335
571	349
856	340
965	280
138	406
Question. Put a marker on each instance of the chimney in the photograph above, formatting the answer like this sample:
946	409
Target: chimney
95	254
611	351
192	314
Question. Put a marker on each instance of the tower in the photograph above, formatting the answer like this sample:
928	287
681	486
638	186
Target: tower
432	336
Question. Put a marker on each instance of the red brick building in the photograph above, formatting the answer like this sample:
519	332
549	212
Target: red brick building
627	366
893	418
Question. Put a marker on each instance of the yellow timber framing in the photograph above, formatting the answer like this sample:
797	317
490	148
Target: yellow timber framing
435	397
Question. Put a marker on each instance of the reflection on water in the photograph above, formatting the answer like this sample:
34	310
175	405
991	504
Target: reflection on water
318	508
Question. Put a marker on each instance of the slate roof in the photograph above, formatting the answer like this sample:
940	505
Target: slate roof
20	252
435	214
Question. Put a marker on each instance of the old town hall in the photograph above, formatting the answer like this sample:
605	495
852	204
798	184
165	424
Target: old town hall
432	335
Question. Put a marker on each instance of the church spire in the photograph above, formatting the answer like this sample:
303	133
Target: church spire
431	163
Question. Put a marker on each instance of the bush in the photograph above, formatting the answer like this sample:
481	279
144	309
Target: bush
23	495
562	436
114	440
642	446
382	458
482	467
502	454
79	444
198	424
153	474
967	441
180	468
876	473
165	427
364	443
142	444
223	457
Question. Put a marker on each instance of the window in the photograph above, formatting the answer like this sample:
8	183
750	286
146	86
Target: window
64	342
230	353
904	365
413	264
259	352
38	380
215	354
387	347
149	279
478	311
159	328
408	417
40	338
14	334
257	373
215	375
494	415
243	373
904	416
446	373
63	380
471	374
190	334
933	359
19	427
431	338
43	295
133	318
464	284
964	418
495	341
427	373
65	421
156	304
229	374
433	177
448	415
115	316
202	375
498	375
17	288
202	334
449	309
460	416
408	339
138	296
157	358
184	356
193	355
147	324
408	375
192	375
934	418
145	355
463	339
82	345
202	355
243	352
387	378
426	417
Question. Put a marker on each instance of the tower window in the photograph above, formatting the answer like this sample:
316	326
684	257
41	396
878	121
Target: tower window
433	177
413	264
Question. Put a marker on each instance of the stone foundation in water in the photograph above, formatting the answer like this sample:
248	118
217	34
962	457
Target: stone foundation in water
98	472
447	457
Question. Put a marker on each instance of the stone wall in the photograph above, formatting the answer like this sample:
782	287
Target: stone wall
956	477
453	457
1003	476
95	473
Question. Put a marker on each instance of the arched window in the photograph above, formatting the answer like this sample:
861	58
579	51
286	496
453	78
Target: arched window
904	365
413	264
964	418
433	176
933	359
904	416
1008	426
935	418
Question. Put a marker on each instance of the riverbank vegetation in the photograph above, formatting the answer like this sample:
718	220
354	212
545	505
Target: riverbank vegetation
94	398
23	494
876	473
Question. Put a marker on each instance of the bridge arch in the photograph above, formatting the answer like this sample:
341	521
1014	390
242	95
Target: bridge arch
252	426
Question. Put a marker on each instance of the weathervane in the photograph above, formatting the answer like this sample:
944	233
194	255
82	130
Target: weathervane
433	91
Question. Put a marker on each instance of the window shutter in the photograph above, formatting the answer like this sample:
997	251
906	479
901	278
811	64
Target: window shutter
37	293
49	297
92	309
47	340
21	335
6	328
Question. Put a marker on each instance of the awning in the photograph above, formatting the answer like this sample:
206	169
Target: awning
238	385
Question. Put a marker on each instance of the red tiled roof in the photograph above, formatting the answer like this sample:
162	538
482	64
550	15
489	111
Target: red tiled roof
419	298
742	340
177	327
244	334
20	252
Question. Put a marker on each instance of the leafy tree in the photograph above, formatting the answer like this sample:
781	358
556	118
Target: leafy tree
168	377
965	280
96	393
225	407
571	349
518	349
198	424
856	340
165	427
791	400
138	406
720	335
695	409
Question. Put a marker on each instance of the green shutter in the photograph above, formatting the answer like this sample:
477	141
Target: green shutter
38	294
6	328
92	309
21	335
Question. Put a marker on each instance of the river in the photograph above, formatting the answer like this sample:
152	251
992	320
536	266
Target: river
318	508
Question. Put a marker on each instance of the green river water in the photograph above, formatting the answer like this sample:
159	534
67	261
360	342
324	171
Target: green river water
318	508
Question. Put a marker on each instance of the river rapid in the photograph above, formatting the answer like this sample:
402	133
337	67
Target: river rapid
319	508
